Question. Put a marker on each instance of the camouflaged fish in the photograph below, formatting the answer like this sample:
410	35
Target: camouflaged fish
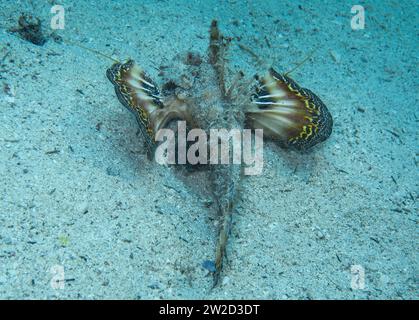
196	91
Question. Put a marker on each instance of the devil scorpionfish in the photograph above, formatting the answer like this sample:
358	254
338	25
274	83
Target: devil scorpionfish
197	93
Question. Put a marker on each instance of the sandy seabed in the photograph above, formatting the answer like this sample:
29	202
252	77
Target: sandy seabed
77	192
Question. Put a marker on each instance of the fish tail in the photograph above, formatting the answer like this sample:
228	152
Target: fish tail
220	252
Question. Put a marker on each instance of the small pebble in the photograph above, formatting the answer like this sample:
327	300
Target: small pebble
82	207
209	265
7	240
154	286
8	93
336	56
320	235
114	172
208	203
226	280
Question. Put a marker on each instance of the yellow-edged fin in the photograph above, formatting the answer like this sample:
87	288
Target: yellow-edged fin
139	94
289	113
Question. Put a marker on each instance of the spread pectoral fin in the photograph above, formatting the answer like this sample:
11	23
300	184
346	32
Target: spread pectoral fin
141	95
289	113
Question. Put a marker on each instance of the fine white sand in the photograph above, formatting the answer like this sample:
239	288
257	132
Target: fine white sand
77	190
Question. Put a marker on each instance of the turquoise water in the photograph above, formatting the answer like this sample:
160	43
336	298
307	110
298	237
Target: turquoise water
85	214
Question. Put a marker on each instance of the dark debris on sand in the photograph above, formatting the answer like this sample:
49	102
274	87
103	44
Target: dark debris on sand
29	28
